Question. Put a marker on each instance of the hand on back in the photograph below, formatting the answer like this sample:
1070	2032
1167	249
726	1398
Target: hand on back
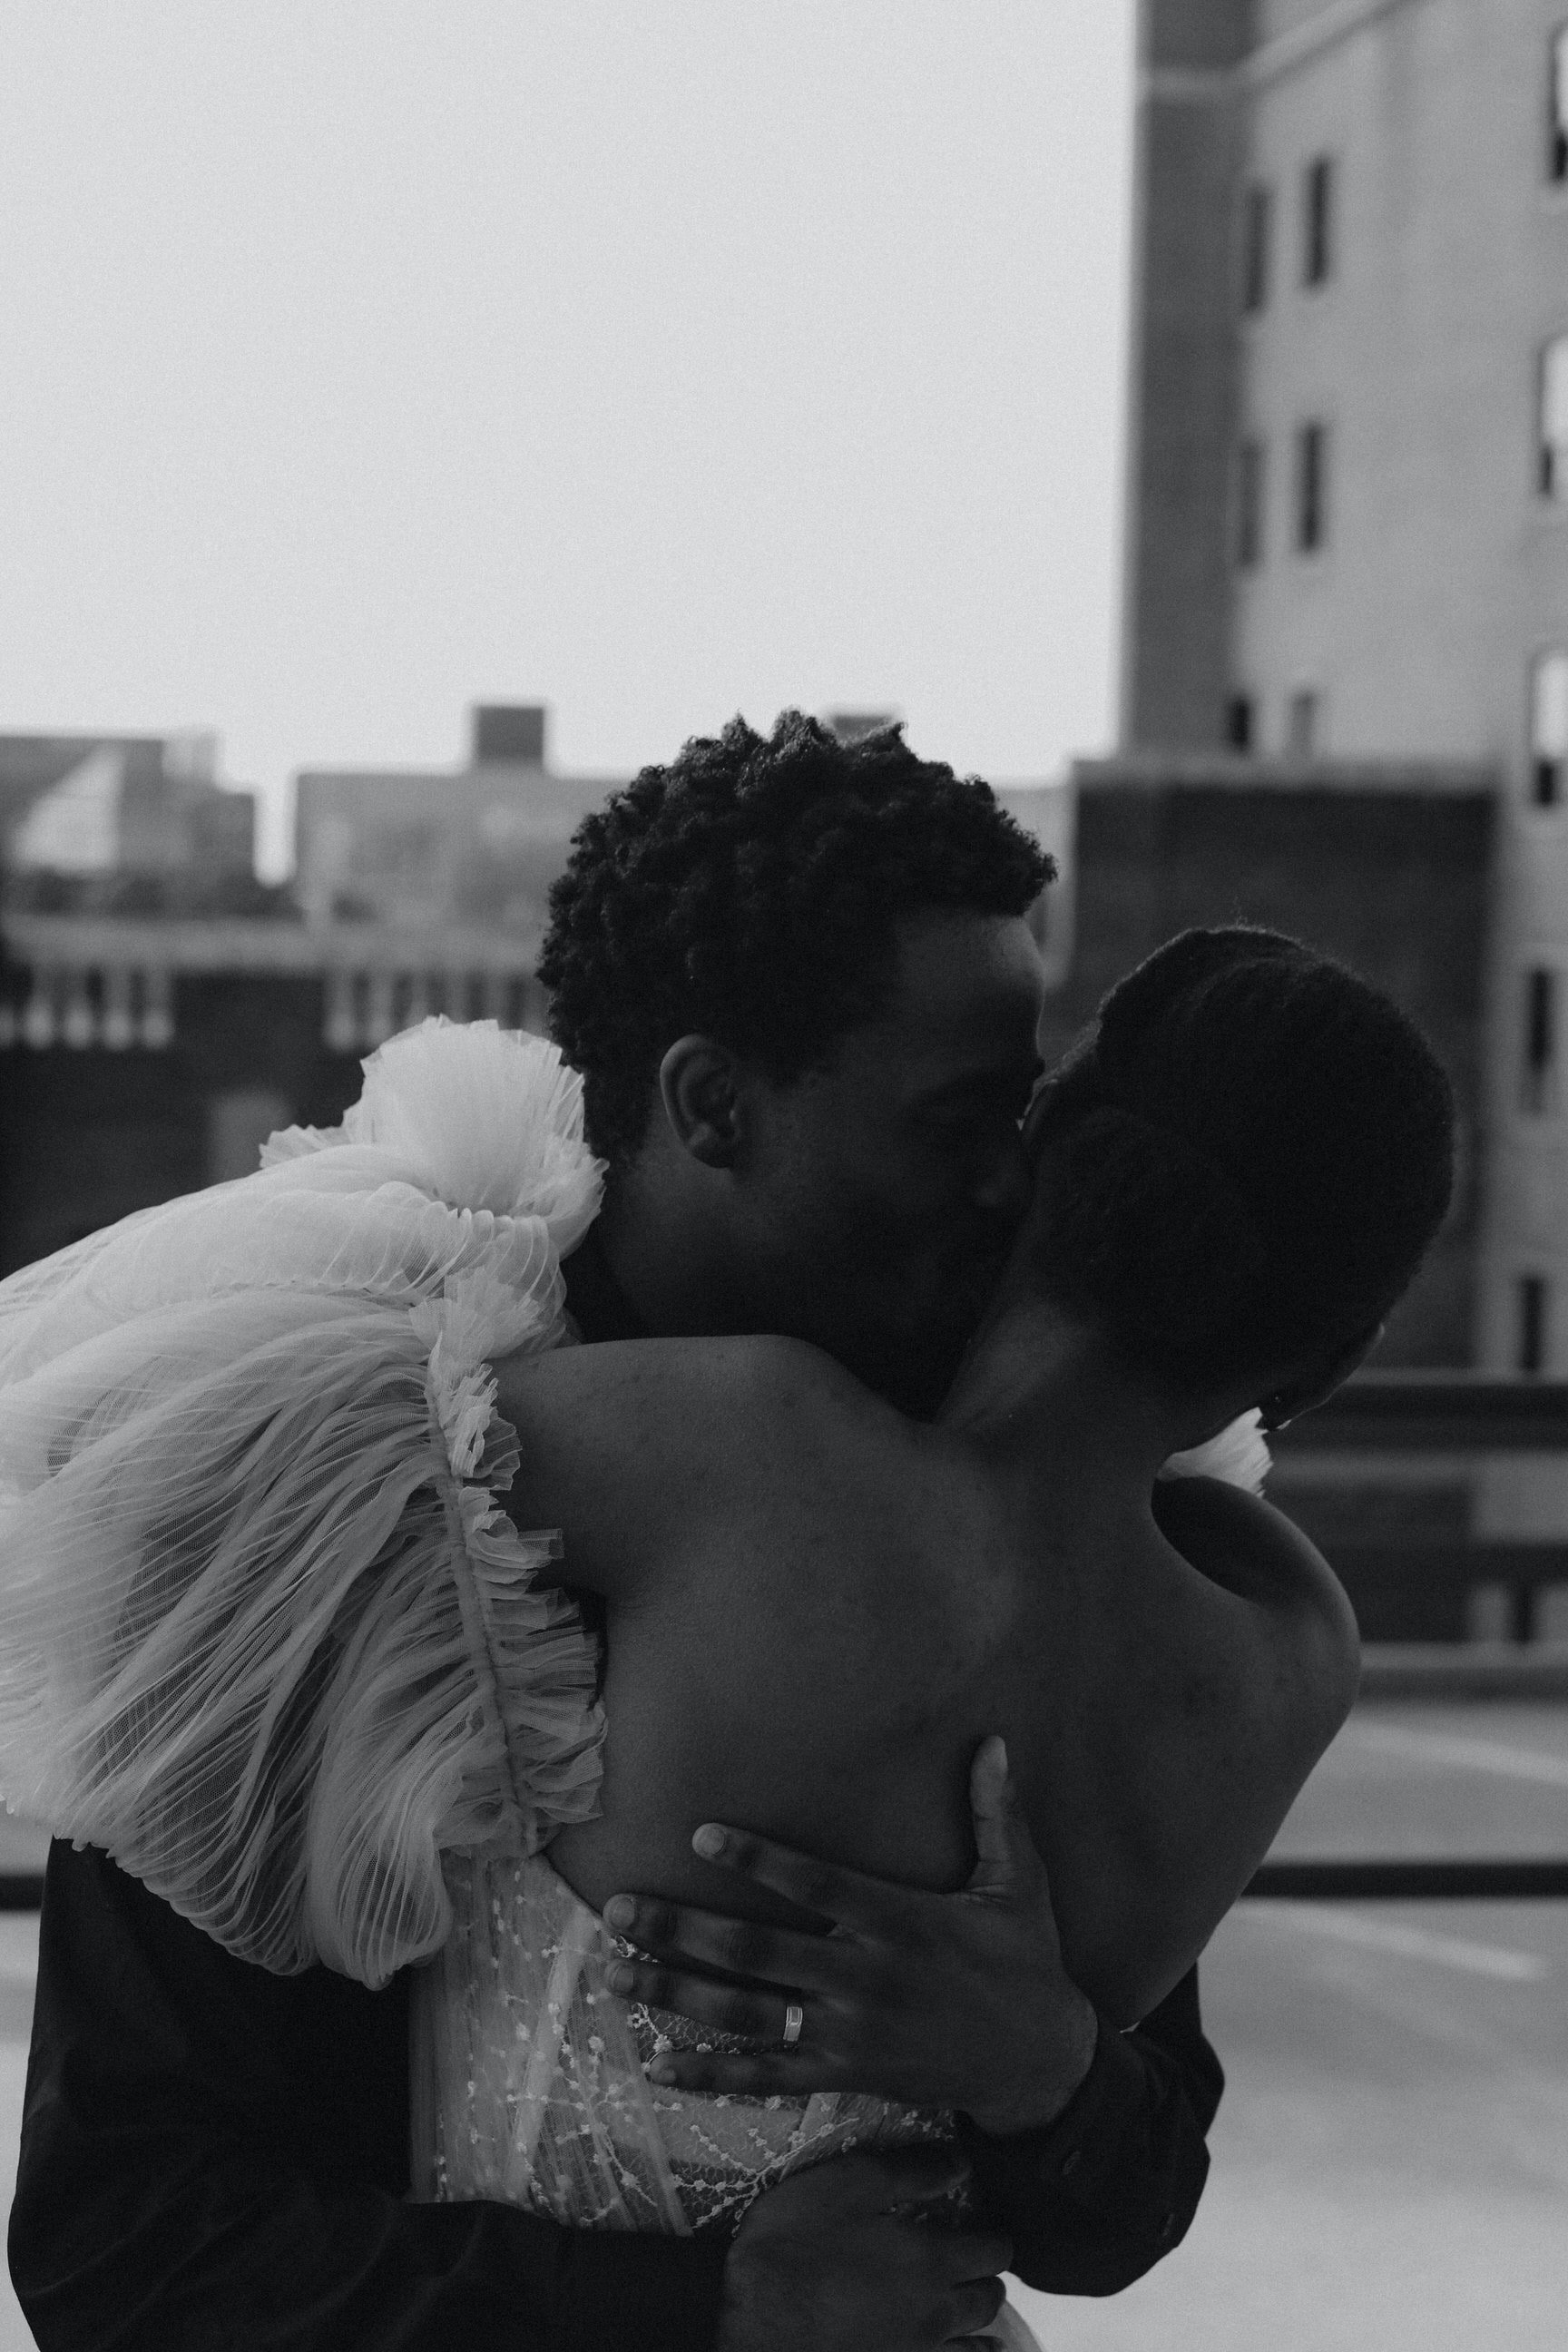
938	2000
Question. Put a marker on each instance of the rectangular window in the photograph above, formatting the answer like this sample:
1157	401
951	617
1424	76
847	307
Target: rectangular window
1257	239
1301	726
1318	222
1240	721
1557	117
1537	1070
1533	1304
1548	729
1311	487
1250	472
1553	475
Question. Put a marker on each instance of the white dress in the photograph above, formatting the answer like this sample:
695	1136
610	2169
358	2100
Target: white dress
529	2084
268	1638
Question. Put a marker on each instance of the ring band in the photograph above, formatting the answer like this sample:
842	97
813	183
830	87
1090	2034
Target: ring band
795	2018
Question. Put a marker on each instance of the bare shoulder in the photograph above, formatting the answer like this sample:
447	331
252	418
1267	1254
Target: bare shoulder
629	1446
666	1379
1252	1675
1295	1605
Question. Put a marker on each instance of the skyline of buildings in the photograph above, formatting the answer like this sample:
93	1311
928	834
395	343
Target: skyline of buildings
1347	548
1281	760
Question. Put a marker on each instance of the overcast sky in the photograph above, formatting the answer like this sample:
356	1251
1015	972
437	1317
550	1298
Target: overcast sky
364	359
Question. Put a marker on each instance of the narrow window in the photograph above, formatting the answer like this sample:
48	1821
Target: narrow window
1538	1075
1318	222
1301	724
1256	237
1557	119
1239	722
1311	487
1533	1298
1548	729
1555	419
1249	479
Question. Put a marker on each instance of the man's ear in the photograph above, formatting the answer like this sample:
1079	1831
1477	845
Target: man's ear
1316	1381
702	1085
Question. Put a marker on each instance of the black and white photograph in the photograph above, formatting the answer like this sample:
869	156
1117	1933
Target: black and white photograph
783	1175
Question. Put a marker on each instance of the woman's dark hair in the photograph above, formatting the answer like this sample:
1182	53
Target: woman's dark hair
749	891
1243	1164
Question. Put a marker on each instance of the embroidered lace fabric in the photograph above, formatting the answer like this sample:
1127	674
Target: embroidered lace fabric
265	1636
529	2084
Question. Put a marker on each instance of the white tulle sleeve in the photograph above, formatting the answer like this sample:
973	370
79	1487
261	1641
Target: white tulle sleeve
1239	1456
265	1633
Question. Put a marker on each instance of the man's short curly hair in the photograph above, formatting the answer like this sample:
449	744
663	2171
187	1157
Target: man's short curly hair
750	892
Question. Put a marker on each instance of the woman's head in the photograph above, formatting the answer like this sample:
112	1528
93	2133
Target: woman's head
1242	1165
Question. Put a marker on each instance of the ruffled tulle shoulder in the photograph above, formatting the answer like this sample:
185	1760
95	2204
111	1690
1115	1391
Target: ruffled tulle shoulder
1239	1456
477	1116
265	1633
464	1149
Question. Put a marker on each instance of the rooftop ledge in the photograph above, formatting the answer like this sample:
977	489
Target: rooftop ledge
260	943
1238	771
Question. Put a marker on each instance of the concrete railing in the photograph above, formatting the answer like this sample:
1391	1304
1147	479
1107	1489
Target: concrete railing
1457	1418
107	983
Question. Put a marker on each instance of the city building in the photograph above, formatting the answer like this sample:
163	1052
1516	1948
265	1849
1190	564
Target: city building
1164	840
1348	474
142	1057
478	844
78	809
151	1048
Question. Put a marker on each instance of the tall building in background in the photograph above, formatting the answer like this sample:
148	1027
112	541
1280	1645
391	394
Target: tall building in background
1348	511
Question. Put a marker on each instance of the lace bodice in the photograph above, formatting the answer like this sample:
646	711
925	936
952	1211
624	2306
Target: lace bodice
529	2081
529	2084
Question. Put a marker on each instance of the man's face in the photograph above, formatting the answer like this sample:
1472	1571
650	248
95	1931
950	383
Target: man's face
880	1193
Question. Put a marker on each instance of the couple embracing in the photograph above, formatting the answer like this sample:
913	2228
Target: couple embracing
805	1767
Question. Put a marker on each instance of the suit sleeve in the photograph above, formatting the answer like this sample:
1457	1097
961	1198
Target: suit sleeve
213	2156
1099	2198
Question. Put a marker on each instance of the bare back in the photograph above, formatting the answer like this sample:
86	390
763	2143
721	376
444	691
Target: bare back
817	1610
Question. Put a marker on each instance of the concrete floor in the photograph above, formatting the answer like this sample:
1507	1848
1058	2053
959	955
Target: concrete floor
1391	2161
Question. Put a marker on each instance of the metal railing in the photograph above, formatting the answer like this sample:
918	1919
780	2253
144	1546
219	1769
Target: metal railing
1458	1415
1462	1417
